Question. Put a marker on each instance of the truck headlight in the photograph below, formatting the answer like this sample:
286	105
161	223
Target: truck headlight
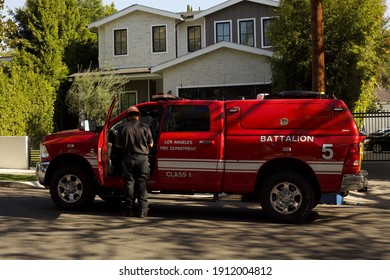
43	153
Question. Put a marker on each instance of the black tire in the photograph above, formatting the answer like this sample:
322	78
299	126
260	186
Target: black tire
71	188
377	148
287	197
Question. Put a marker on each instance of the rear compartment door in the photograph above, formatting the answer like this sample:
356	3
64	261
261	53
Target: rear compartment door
190	146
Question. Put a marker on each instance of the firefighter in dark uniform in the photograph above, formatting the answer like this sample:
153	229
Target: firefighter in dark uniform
136	140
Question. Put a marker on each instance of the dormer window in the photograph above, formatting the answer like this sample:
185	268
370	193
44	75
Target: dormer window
266	26
120	42
159	39
247	32
223	31
194	38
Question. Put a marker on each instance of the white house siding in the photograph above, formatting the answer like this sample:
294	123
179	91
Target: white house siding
224	67
139	25
102	47
182	35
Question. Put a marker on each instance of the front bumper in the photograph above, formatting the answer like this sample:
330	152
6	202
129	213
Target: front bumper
40	171
353	182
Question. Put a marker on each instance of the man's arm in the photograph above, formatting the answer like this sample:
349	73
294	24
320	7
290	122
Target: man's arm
149	137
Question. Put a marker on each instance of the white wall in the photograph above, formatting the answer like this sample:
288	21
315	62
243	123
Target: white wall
14	152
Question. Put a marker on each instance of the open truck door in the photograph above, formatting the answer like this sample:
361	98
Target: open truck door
103	149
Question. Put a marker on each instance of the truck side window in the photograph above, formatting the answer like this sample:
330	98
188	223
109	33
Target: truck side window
184	118
152	117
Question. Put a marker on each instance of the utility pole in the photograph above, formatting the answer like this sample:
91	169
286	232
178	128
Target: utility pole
318	59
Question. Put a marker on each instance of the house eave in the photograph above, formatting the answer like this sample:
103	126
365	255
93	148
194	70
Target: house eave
227	4
96	24
187	57
137	73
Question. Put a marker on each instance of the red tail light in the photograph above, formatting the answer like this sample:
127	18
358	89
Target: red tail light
354	155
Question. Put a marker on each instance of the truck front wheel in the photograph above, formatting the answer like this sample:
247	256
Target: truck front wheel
71	188
287	197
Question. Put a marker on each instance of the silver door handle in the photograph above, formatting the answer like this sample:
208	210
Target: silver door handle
206	142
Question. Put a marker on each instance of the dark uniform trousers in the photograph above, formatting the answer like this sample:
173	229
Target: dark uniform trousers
136	172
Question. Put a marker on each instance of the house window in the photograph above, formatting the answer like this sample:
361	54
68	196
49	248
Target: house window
120	42
159	38
128	98
223	32
194	38
247	32
266	25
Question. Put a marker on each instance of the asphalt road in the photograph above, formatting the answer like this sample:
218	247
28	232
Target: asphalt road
185	228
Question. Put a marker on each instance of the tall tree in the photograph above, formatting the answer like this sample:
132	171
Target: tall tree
384	50
354	42
2	17
81	49
7	28
56	34
43	35
291	62
49	38
81	53
26	99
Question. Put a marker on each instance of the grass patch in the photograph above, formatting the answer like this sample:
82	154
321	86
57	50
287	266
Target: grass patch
16	177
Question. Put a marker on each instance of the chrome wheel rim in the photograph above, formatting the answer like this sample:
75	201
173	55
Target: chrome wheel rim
286	198
70	188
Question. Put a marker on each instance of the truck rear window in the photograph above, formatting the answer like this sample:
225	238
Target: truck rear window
186	118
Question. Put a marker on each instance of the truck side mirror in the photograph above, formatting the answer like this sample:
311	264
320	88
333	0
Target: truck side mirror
88	125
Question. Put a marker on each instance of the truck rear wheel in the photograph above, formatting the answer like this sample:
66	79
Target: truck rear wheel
71	188
287	197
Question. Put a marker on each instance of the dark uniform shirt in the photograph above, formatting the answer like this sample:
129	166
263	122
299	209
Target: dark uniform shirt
136	138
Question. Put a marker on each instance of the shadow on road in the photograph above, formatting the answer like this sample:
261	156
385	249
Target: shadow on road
191	228
37	204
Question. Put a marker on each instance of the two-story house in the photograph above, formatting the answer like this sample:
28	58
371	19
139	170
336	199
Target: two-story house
218	53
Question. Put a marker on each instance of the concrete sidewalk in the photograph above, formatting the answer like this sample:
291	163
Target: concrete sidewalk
30	172
378	194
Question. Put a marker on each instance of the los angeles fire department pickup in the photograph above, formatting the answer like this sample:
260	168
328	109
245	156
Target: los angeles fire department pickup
285	152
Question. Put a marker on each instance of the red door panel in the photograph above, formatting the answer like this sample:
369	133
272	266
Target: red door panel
189	156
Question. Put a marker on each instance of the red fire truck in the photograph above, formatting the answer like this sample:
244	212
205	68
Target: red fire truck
286	152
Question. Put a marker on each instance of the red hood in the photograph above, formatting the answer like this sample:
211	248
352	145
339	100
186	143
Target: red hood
70	135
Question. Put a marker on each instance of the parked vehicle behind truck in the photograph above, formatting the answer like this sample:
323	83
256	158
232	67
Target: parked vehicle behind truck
285	152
